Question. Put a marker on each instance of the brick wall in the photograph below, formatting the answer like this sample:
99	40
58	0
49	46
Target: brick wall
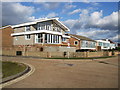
5	37
38	53
71	40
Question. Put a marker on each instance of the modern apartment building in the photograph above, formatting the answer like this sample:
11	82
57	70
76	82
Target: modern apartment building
44	32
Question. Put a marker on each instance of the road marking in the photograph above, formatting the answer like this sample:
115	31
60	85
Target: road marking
32	69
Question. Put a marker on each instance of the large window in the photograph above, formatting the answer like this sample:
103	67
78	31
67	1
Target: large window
105	45
100	43
53	39
44	26
88	44
27	37
47	38
41	26
39	38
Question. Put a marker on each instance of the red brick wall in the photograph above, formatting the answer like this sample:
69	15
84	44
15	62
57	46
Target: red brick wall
5	36
71	40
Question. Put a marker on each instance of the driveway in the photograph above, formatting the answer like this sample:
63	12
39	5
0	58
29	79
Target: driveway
102	73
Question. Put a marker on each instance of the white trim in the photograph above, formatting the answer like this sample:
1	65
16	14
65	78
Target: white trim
35	32
65	36
63	25
86	48
41	20
103	41
5	26
75	37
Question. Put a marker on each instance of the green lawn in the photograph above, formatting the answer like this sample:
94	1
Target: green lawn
84	58
11	68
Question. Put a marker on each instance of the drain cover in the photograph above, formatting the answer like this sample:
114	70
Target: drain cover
70	64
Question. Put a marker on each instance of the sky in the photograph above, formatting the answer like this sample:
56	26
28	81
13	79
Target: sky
96	20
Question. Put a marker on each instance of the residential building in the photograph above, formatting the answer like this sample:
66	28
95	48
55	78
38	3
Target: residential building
106	44
103	44
44	32
81	42
113	45
5	36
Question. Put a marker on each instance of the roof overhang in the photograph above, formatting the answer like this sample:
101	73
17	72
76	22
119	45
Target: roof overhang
42	20
5	26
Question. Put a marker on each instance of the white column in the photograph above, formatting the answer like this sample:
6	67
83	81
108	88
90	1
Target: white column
47	38
43	38
50	38
51	27
60	39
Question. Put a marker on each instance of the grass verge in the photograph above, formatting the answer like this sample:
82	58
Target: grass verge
84	58
11	68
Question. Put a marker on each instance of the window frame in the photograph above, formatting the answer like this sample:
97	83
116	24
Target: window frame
75	41
26	28
26	37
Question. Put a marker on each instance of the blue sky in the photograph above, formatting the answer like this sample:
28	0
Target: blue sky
91	19
107	7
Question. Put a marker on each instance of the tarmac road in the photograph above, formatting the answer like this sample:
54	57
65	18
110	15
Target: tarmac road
101	73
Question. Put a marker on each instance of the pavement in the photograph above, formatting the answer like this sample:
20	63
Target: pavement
99	73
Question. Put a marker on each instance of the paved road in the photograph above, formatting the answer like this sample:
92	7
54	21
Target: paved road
69	74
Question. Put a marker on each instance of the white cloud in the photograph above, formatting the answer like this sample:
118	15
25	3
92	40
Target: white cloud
96	19
48	5
14	13
116	38
93	20
94	24
53	14
86	1
75	11
93	33
68	6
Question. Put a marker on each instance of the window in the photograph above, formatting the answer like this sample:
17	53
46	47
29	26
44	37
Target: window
41	26
27	37
39	38
27	28
46	38
48	27
64	39
100	43
75	42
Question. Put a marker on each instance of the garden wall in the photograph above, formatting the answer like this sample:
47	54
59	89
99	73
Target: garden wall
59	54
